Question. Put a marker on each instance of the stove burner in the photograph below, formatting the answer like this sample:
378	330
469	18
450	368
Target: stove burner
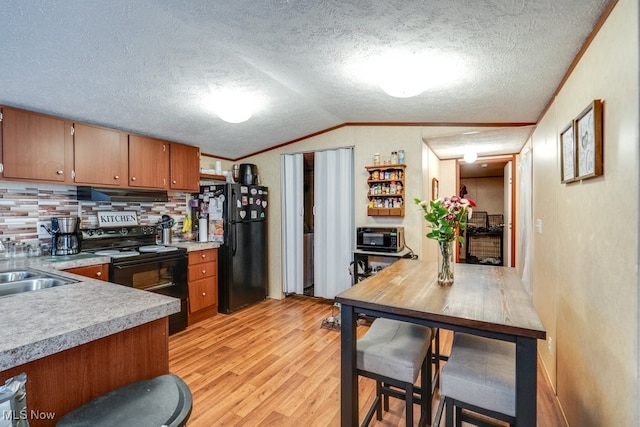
127	244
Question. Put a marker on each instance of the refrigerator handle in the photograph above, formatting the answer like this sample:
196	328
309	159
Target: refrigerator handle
232	205
234	239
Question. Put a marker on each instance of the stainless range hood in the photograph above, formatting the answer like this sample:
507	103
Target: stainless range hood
95	194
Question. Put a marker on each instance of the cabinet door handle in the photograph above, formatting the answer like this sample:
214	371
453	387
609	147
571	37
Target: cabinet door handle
175	182
59	172
116	177
204	294
204	271
99	273
133	178
204	256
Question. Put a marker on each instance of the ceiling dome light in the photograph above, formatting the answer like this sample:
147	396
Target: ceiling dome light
404	75
233	107
399	89
470	156
402	80
234	114
403	85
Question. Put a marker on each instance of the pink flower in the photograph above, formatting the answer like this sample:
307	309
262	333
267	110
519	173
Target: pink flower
446	217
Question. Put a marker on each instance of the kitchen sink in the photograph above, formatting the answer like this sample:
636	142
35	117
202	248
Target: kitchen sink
12	276
18	281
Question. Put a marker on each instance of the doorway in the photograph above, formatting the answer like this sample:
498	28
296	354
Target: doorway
308	233
490	183
317	222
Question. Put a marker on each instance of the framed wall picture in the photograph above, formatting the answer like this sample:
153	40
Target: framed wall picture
568	154
434	189
588	128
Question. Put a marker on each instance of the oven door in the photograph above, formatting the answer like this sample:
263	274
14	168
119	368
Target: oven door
162	274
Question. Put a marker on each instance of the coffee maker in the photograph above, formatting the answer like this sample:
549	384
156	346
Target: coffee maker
65	234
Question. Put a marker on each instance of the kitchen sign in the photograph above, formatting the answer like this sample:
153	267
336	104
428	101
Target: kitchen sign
117	219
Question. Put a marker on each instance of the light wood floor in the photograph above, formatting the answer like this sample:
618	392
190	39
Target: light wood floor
274	365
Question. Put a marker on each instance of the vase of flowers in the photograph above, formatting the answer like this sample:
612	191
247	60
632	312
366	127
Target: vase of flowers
447	218
445	263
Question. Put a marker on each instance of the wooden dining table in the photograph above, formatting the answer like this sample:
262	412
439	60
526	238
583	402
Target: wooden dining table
484	300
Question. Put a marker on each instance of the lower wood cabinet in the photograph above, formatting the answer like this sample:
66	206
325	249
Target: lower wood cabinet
64	381
203	284
100	271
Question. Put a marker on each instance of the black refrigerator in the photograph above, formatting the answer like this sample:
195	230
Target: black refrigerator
237	216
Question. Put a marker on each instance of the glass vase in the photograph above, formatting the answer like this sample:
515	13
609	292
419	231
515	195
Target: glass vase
445	263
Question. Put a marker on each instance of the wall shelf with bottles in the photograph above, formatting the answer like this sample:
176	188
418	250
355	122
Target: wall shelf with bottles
386	190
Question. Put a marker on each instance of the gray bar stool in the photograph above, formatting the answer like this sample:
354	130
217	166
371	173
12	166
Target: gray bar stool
480	377
393	353
161	401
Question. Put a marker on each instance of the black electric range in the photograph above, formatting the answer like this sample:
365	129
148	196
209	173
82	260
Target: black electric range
137	261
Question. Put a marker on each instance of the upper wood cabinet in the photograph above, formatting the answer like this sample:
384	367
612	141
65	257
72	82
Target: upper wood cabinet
37	147
100	156
185	167
148	162
34	146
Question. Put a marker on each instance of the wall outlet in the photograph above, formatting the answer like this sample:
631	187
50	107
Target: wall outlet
539	226
550	345
42	232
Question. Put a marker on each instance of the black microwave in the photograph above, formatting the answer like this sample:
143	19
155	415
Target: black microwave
380	239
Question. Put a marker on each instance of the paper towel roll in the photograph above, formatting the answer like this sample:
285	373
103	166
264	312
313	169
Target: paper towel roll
202	227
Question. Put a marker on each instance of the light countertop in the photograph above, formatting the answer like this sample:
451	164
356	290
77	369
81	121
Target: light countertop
39	323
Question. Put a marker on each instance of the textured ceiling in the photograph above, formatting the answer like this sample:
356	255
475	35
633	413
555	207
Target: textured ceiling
153	66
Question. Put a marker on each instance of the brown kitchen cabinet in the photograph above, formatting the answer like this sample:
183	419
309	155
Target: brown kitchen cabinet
64	381
386	190
203	284
185	167
35	147
100	156
99	271
38	147
148	162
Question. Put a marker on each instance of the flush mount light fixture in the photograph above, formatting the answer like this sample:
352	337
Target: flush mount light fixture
234	114
403	82
405	75
470	156
233	107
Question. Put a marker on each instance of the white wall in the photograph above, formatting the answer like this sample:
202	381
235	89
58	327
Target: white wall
430	170
585	269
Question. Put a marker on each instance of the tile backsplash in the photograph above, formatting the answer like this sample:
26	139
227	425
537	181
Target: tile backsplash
25	205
